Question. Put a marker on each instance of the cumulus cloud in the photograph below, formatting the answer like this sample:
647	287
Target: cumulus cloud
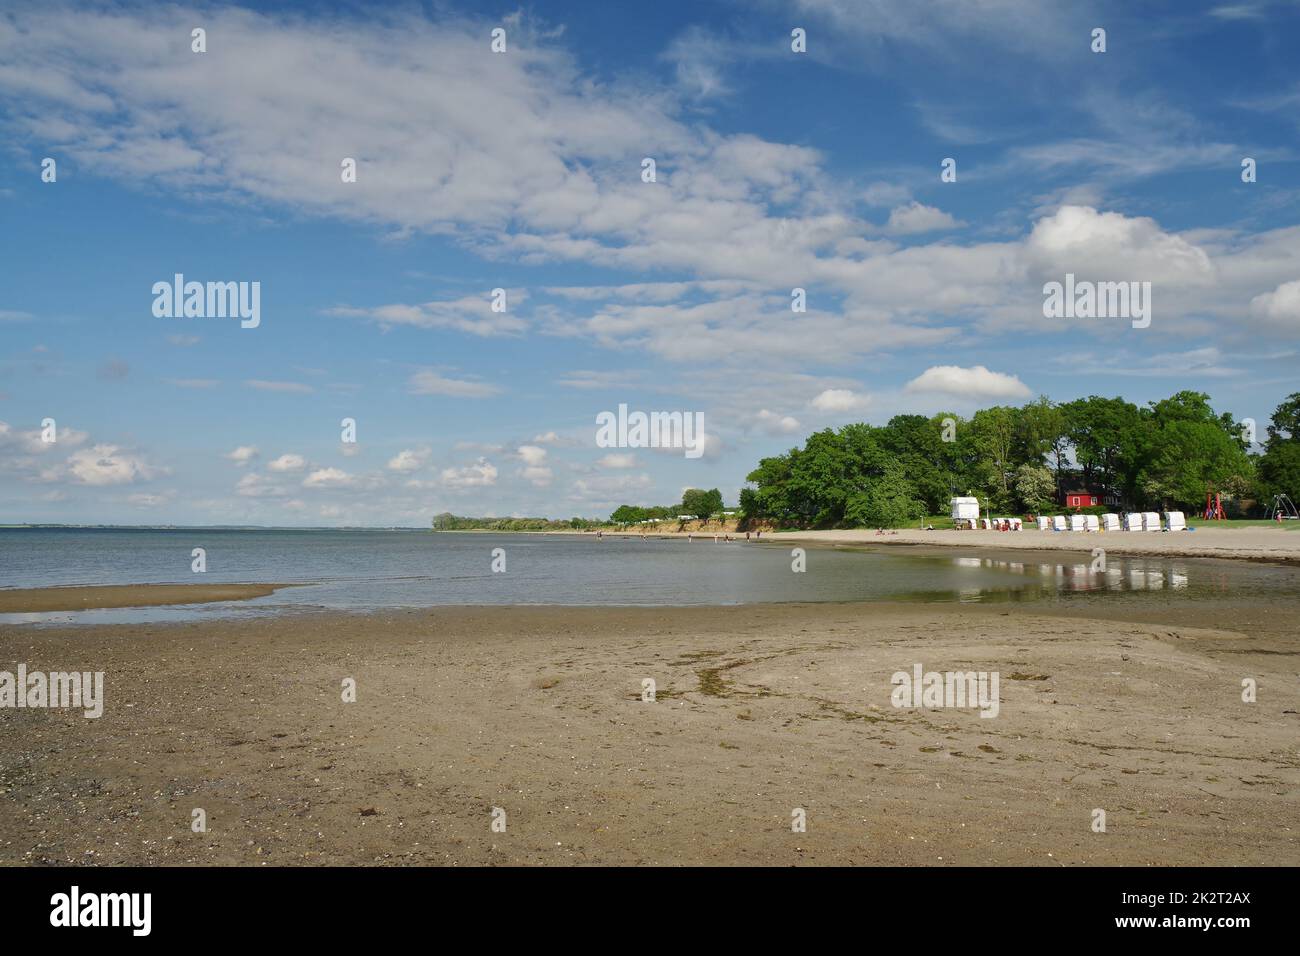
775	424
535	470
916	218
1110	245
14	441
481	474
242	455
288	462
974	382
1279	309
840	400
408	460
328	478
109	465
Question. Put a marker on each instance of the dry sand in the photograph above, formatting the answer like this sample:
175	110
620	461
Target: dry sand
82	598
760	710
1261	544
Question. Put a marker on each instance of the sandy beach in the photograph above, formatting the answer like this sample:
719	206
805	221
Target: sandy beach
759	710
1261	544
127	595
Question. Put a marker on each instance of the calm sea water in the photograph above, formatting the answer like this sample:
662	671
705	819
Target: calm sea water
370	570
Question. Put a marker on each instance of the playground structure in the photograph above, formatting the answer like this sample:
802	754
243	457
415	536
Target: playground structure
1213	506
1282	509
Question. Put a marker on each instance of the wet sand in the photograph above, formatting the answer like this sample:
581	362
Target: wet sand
22	600
760	710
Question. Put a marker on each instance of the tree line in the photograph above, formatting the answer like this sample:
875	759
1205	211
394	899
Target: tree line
695	501
450	522
1165	455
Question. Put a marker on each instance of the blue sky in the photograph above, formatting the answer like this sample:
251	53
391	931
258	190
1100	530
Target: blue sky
522	171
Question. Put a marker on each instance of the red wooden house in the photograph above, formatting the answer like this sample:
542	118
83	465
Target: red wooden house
1088	498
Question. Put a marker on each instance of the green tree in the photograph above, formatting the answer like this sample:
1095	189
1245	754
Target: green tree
1285	424
995	433
1279	471
702	504
1279	466
1036	487
889	501
1107	437
627	514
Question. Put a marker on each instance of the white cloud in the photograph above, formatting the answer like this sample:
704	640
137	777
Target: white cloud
328	478
840	400
916	218
471	314
288	462
975	382
1094	244
617	460
537	476
254	485
408	460
427	382
532	454
242	455
13	441
602	491
481	474
1279	308
535	470
109	465
775	424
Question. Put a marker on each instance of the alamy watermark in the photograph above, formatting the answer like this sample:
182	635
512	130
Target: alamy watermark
933	689
75	908
683	430
1098	300
213	300
57	689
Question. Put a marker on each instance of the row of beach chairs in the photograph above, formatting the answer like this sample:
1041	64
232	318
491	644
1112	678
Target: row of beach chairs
1133	521
988	524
